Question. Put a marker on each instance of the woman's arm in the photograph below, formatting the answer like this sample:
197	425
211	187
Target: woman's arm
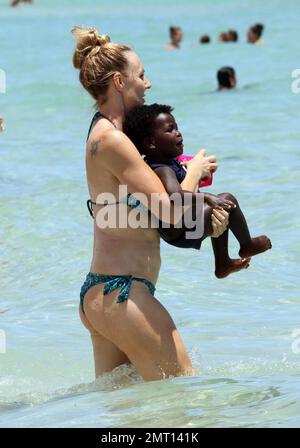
120	157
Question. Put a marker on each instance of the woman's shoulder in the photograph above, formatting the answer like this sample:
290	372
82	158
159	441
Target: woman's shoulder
112	144
104	137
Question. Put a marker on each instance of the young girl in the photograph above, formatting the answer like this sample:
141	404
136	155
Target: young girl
154	132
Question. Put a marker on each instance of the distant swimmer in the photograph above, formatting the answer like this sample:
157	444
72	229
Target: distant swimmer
176	36
16	2
223	37
2	128
232	36
254	34
226	78
205	39
154	131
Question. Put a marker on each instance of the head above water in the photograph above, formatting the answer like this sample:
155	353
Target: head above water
226	78
232	36
223	37
205	39
154	132
176	35
254	33
109	70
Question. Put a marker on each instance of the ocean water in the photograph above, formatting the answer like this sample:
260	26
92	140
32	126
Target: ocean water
242	333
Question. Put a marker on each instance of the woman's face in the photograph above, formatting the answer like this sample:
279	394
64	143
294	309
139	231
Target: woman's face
135	83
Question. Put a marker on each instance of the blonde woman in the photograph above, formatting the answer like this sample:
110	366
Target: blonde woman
128	325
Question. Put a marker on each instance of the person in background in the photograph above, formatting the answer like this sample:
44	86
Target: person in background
232	36
176	36
205	39
226	78
223	37
16	2
254	34
1	124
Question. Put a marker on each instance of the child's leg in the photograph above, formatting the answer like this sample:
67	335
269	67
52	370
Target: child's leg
224	265
238	225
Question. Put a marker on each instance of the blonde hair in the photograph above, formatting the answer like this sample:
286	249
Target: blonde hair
98	59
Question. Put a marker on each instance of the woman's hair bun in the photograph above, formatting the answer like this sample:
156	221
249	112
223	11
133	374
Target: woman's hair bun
103	39
87	40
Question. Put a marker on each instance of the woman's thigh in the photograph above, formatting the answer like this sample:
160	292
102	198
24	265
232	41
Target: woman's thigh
141	328
107	356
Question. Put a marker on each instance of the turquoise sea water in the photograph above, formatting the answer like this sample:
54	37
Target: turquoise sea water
241	332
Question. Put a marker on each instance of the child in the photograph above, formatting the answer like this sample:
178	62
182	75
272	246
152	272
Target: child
154	132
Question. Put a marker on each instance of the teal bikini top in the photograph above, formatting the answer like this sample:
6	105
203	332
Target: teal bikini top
129	200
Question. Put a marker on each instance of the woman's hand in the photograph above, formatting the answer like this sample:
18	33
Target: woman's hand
202	164
219	221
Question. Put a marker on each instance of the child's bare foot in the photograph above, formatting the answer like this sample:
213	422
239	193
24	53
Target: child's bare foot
256	246
232	266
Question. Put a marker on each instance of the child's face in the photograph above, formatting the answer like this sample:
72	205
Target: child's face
166	136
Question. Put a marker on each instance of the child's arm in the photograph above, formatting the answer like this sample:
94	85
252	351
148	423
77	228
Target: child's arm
169	179
171	184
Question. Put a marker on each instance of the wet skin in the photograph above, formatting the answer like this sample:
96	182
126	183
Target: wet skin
163	146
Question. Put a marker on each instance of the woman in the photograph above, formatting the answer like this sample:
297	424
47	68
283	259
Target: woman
128	325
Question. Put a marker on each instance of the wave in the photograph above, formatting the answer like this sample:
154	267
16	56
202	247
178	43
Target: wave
121	377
